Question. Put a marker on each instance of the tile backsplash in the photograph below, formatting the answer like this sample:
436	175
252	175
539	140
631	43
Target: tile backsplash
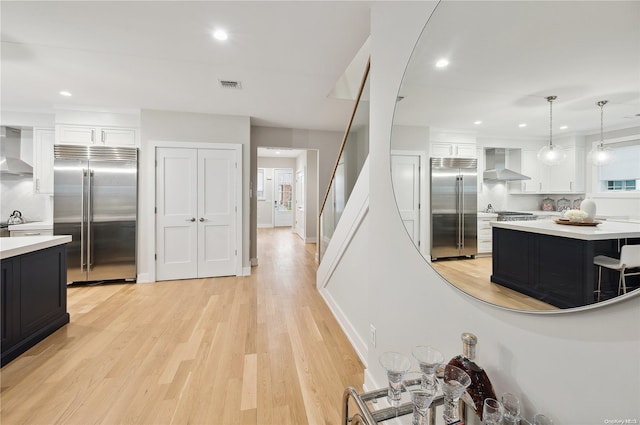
16	193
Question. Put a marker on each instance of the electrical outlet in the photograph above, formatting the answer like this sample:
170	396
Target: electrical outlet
372	334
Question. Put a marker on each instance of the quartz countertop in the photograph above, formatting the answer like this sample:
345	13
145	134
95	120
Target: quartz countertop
11	247
36	225
603	231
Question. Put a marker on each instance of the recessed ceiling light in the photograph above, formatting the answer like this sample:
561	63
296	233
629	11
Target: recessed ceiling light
442	63
477	122
564	127
522	125
65	93
277	152
220	35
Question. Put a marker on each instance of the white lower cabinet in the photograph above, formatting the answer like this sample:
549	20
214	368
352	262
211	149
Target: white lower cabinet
92	135
485	237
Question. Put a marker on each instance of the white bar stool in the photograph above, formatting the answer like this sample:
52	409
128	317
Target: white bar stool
629	259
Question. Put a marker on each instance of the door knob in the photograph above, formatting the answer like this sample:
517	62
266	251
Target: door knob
192	219
202	219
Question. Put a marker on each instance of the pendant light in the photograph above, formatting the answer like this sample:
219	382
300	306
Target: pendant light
551	154
601	154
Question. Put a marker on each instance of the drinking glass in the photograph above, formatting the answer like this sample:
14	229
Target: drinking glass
421	396
541	419
491	412
454	382
428	359
511	406
396	365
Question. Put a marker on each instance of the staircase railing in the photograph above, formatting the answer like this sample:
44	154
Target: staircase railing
351	157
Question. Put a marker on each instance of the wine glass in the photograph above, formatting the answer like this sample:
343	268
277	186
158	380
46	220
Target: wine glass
396	365
511	406
454	382
421	396
491	412
541	419
428	359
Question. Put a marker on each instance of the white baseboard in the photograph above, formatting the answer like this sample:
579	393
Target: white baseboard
311	240
254	262
347	327
246	271
143	278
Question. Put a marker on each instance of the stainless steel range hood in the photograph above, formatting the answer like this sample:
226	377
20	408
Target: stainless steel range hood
495	170
10	162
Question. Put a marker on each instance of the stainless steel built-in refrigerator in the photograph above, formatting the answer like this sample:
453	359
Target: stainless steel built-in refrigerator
95	202
454	207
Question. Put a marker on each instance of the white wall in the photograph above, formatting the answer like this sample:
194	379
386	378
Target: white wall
580	368
179	127
312	198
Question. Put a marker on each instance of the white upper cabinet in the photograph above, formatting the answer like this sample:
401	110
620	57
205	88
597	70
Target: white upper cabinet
43	140
567	177
91	135
453	150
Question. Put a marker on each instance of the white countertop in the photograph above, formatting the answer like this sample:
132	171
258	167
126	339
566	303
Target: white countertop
604	230
36	225
482	214
11	247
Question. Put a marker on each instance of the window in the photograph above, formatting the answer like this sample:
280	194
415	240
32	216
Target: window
623	173
260	184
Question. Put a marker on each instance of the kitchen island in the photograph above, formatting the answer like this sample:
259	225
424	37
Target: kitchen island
554	262
34	291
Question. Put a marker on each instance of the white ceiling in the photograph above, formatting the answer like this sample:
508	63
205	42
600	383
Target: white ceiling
122	55
506	57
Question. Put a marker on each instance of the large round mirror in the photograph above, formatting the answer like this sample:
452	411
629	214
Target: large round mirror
490	88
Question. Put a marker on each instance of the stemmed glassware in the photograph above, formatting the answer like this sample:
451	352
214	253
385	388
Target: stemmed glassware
491	412
511	406
454	382
428	359
541	419
396	365
421	396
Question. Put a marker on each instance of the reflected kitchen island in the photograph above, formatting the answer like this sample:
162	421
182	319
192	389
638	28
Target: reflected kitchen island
554	262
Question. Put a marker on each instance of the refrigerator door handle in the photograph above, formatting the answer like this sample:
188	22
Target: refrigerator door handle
89	220
462	210
82	219
458	206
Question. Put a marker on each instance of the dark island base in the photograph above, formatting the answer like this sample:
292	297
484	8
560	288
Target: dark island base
34	299
552	269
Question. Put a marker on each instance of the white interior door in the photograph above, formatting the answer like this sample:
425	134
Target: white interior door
283	191
300	204
197	220
177	207
405	174
216	213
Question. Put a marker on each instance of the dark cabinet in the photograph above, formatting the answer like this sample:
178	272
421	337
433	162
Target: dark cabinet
34	299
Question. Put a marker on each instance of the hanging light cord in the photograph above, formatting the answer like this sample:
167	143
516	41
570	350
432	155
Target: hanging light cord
601	105
550	99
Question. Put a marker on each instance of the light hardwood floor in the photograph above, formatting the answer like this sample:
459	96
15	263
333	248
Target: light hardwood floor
262	349
473	277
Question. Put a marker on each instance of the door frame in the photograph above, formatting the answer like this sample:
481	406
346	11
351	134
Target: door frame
425	206
151	175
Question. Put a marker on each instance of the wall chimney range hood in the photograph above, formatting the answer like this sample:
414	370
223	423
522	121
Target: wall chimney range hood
10	162
495	167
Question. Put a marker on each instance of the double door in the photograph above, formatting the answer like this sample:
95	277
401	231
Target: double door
196	214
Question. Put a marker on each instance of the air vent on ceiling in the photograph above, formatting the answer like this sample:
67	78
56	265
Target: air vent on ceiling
230	84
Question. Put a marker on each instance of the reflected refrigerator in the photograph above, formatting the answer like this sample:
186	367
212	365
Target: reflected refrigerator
454	202
95	201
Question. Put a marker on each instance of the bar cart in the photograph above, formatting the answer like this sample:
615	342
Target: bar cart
369	411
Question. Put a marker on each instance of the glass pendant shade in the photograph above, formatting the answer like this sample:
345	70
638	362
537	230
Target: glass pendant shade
551	154
601	154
